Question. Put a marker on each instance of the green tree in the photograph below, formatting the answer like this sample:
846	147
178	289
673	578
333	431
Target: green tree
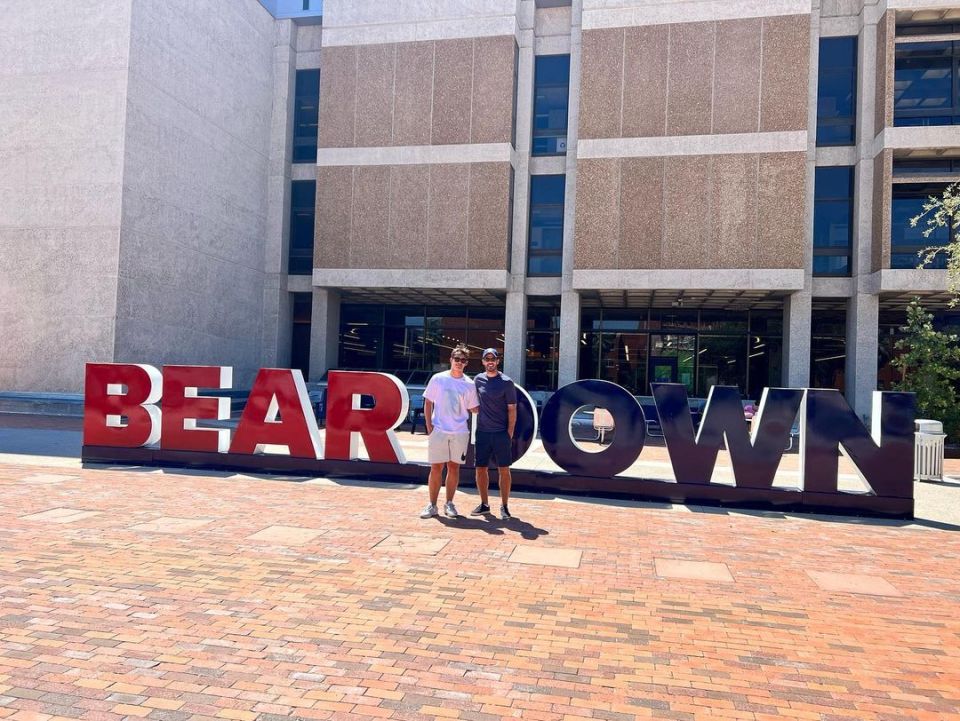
944	212
929	365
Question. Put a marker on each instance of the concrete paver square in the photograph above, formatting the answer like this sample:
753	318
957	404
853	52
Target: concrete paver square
285	535
546	556
853	583
42	479
693	570
60	515
169	524
412	544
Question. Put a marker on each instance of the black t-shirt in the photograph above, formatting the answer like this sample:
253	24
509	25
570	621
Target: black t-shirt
495	395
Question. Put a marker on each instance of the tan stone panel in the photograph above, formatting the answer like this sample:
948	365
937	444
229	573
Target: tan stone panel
489	216
601	83
413	94
641	203
686	237
781	197
882	201
333	217
734	210
453	70
375	65
493	90
597	224
645	82
690	83
883	105
369	230
409	204
786	59
736	83
338	97
448	217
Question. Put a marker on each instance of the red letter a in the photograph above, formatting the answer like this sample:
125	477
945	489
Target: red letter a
278	392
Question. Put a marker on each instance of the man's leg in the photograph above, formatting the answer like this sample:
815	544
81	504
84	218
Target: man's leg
483	484
453	479
504	480
433	483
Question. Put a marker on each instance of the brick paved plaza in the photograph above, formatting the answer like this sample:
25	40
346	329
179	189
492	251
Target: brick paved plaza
165	595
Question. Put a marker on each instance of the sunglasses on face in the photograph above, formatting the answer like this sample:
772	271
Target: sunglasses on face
457	359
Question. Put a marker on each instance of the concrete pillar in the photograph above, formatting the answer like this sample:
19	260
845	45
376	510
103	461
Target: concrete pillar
515	336
324	331
569	337
796	339
863	324
275	348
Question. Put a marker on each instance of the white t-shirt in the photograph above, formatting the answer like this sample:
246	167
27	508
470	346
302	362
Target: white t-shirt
452	400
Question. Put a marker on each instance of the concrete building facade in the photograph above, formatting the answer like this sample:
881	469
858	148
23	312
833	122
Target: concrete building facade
693	191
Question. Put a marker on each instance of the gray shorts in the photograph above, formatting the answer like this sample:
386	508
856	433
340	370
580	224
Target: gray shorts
445	447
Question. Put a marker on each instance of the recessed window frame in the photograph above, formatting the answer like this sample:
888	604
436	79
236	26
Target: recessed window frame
545	184
306	116
830	47
550	139
824	197
915	39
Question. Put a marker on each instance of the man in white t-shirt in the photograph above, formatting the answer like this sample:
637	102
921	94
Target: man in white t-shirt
448	401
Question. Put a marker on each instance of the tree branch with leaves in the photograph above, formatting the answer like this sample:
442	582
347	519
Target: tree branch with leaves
943	212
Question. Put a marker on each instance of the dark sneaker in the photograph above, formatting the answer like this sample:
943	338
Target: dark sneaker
505	513
480	510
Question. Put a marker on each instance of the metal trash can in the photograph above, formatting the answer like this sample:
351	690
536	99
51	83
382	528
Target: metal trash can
928	450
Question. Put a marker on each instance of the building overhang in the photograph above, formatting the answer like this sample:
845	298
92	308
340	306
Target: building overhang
453	279
907	280
705	279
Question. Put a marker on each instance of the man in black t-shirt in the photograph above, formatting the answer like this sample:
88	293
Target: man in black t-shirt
495	424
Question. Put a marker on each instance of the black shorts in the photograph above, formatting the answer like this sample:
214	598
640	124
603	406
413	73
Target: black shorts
496	444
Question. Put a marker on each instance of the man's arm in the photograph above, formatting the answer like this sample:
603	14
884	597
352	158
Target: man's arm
511	418
428	415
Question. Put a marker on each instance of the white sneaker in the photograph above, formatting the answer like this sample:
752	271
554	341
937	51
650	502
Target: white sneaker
450	510
429	511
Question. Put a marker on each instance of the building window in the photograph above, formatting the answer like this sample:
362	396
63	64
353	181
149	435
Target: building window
907	243
545	249
927	74
300	337
635	347
832	221
414	341
306	106
828	346
837	92
551	92
543	344
303	195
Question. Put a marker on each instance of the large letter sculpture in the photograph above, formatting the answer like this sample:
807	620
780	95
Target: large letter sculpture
183	406
884	461
117	391
346	420
278	413
627	417
755	456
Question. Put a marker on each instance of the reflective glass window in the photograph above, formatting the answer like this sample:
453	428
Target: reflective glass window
828	348
545	247
906	242
306	110
550	104
302	214
837	91
832	220
926	83
300	335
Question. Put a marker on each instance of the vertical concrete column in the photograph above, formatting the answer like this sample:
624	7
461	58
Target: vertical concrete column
863	347
324	331
569	337
796	339
277	305
515	336
570	298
